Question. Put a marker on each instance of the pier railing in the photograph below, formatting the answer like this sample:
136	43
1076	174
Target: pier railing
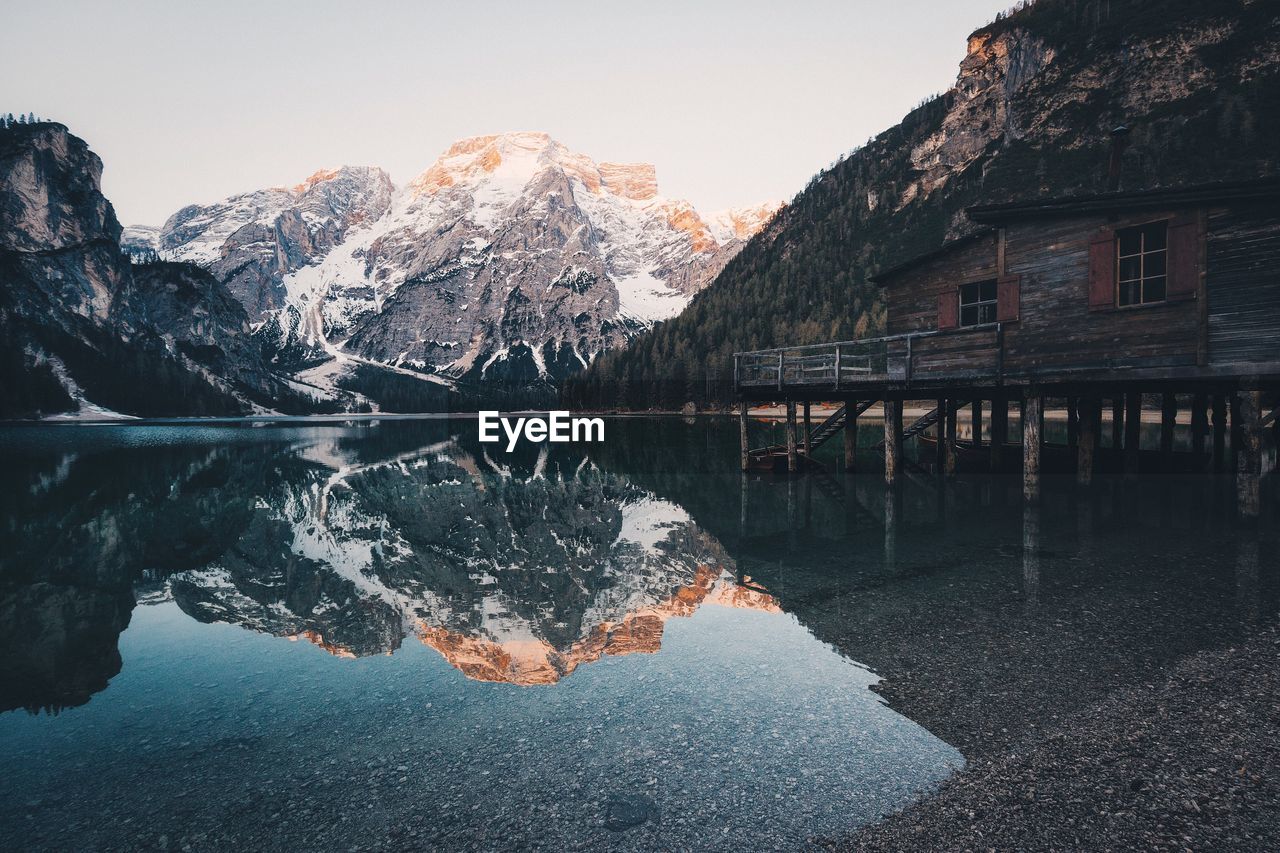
844	365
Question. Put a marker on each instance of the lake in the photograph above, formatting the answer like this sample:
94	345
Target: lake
381	633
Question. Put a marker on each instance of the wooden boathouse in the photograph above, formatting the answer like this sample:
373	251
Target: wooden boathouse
1172	294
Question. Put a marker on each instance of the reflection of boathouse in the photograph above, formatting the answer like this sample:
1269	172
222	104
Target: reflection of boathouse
1171	294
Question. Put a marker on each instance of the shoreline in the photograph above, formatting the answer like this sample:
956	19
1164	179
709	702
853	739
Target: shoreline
1185	761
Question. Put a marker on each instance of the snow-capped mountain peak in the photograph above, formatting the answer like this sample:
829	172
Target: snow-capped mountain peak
510	257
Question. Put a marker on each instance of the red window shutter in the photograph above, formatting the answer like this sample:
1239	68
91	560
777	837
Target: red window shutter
1008	297
1102	270
1183	268
948	310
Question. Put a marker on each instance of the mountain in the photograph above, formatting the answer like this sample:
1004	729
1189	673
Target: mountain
1030	115
511	258
82	329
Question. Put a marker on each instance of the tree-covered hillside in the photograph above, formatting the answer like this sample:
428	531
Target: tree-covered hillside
1197	84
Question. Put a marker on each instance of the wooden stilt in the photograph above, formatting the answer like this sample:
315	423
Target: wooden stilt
1073	421
1219	432
808	430
1168	421
1236	433
1032	416
977	422
1090	409
1199	422
1249	453
1132	432
1117	421
743	415
892	440
850	437
999	429
940	430
952	417
791	435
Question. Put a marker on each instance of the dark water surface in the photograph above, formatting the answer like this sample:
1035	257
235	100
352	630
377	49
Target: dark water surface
372	634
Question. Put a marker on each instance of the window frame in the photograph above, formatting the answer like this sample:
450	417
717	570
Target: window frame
1141	255
980	304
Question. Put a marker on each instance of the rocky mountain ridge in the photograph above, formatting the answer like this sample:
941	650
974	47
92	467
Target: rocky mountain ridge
83	329
510	258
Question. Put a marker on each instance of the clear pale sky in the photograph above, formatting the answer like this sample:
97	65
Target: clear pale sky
734	102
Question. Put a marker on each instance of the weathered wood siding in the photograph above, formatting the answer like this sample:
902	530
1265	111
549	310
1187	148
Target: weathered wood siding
912	296
1244	285
1058	331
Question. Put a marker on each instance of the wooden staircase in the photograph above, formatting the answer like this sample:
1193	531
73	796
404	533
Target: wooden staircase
824	432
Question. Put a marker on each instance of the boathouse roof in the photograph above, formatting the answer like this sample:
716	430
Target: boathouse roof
996	214
883	276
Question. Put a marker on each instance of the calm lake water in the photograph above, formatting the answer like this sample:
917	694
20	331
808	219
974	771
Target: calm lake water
384	634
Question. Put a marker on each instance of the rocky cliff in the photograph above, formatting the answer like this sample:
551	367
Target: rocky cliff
1030	115
510	258
82	328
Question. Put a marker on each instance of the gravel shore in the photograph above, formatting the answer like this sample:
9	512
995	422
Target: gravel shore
1186	763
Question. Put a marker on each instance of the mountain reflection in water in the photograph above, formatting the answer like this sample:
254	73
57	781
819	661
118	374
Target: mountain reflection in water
513	573
542	649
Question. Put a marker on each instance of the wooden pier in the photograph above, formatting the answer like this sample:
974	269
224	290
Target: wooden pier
1172	297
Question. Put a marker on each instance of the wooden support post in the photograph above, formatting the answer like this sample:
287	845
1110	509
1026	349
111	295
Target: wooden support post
940	430
892	440
791	435
1168	420
1132	432
1117	421
999	429
1032	417
808	430
850	436
1249	453
1073	421
1237	432
977	422
952	417
1199	422
742	434
1090	409
1219	432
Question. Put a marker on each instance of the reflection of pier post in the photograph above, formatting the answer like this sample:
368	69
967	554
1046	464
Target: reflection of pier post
1249	453
791	513
742	507
1031	554
850	436
892	501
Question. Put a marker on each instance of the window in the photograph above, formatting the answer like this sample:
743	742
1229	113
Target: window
1141	254
977	303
